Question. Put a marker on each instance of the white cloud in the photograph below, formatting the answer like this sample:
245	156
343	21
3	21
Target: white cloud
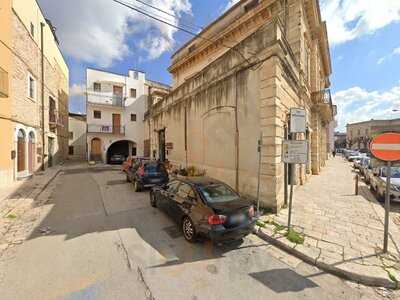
357	104
102	31
395	51
350	19
230	4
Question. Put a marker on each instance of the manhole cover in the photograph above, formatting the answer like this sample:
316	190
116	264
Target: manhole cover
173	232
116	182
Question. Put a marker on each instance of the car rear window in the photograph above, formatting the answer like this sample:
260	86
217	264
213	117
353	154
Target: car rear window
154	169
217	192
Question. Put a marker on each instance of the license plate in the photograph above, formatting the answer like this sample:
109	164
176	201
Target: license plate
154	180
237	218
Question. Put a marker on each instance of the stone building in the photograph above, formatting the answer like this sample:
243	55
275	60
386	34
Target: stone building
116	104
38	104
77	136
360	134
235	82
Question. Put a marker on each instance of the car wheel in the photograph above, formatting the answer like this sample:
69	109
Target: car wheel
189	232
136	186
153	201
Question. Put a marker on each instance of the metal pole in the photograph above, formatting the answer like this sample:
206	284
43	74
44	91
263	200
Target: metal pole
285	175
259	174
387	206
292	175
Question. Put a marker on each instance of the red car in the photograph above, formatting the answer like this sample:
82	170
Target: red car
131	161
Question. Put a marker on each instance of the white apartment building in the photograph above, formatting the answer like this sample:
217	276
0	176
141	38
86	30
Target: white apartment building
115	109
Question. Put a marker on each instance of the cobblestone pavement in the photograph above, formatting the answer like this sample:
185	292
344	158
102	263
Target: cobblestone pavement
19	209
341	229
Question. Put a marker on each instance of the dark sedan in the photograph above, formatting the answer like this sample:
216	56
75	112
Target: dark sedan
117	159
207	207
146	174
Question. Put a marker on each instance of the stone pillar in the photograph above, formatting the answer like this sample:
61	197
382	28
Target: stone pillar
272	131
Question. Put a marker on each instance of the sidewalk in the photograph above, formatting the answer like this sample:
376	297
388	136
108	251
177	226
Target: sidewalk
343	233
16	200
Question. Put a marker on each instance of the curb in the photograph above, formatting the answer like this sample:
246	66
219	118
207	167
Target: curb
47	184
363	279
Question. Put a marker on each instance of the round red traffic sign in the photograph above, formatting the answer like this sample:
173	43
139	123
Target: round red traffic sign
386	146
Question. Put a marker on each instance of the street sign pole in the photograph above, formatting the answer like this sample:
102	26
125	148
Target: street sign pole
387	206
259	174
292	175
386	147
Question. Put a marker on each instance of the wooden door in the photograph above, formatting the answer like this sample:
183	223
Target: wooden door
95	150
21	154
31	155
116	119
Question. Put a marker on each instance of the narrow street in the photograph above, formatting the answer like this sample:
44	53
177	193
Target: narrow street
96	239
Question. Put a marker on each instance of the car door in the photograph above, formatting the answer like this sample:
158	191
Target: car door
166	194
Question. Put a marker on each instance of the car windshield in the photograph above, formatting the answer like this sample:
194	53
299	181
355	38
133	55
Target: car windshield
154	169
395	172
217	192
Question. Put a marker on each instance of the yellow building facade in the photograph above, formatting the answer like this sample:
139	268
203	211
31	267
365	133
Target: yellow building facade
6	129
35	112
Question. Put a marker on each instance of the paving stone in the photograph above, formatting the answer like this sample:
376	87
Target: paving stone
330	247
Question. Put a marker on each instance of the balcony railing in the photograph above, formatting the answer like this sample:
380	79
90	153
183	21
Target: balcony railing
105	99
323	99
110	129
3	83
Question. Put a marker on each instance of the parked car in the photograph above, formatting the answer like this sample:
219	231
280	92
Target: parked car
205	207
130	161
117	159
364	167
347	153
145	174
357	156
378	183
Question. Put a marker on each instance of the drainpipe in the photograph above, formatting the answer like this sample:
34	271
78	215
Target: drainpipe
42	77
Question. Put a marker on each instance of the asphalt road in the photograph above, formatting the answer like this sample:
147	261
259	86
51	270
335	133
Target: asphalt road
107	242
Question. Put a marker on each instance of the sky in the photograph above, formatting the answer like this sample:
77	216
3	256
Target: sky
364	38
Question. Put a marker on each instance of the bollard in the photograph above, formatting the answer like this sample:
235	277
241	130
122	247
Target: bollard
356	183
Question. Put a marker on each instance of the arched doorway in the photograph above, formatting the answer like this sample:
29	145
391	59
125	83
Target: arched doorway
95	149
21	151
124	147
31	152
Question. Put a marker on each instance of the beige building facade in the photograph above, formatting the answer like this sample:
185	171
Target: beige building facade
77	137
360	134
235	84
38	102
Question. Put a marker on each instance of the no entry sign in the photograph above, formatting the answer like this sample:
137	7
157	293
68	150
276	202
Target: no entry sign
386	146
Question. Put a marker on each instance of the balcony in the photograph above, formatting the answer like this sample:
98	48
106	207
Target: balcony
54	119
109	129
323	100
3	83
99	98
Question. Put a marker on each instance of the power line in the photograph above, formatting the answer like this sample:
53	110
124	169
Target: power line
166	12
178	27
